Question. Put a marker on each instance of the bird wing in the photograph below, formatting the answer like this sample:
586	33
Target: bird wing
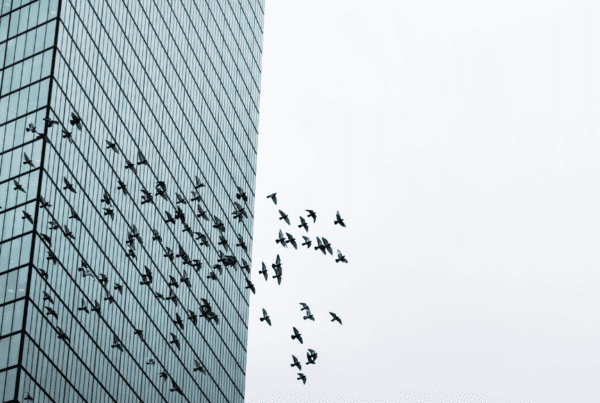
338	216
339	254
278	261
264	312
312	352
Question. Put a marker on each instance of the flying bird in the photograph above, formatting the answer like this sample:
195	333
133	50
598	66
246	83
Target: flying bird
172	296
50	122
18	186
62	335
175	340
185	279
68	185
223	241
264	271
156	236
83	306
76	120
297	335
198	366
117	343
163	375
30	128
241	194
146	278
96	308
52	256
241	243
51	312
277	264
196	196
119	288
341	258
265	317
141	159
27	216
146	197
281	239
273	197
201	213
292	240
309	315
193	317
175	388
302	376
27	160
67	135
198	184
179	321
47	297
68	233
170	218
278	275
212	276
109	212
173	282
74	215
106	198
303	224
138	332
327	246
218	224
284	217
111	146
313	215
311	355
339	220
250	286
307	241
320	246
129	165
122	186
151	362
180	199
179	214
28	397
245	265
296	363
335	317
44	203
45	238
304	307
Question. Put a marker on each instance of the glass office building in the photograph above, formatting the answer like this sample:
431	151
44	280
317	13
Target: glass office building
128	132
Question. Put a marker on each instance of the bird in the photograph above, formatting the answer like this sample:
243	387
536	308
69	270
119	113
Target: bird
83	306
341	258
50	122
284	217
111	146
302	376
218	224
27	216
146	278
173	282
339	220
76	120
241	194
205	307
277	264
292	240
47	297
304	307
163	375
264	271
313	215
102	279
146	197
241	243
175	340
335	317
161	190
278	275
122	186
197	264
63	336
151	361
27	160
74	215
45	238
170	218
198	366
218	267
138	332
44	203
117	343
281	239
52	256
212	275
175	388
68	185
296	363
303	224
180	199
223	241
265	317
179	214
18	186
273	197
297	335
43	274
130	165
51	312
172	296
110	298
196	196
320	246
109	212
159	296
169	253
30	128
307	241
198	184
311	355
245	266
106	198
309	315
250	286
141	159
156	236
179	321
201	213
28	397
193	317
185	279
327	246
67	135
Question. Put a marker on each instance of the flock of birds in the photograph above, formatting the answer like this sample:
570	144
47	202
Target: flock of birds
134	236
324	246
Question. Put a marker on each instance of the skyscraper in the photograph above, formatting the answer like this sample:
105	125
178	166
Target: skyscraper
128	132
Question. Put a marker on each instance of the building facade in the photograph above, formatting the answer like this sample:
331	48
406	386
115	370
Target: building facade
128	134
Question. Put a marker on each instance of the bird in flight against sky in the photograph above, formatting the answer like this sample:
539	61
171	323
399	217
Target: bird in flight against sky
297	335
47	297
45	238
122	186
18	186
27	160
76	120
250	286
196	196
311	355
339	220
273	197
292	240
44	203
296	363
175	340
320	246
309	315
193	317
265	317
151	362
129	165
138	332
199	183
170	218
74	215
96	308
341	258
327	246
180	199
62	335
175	388
284	217
304	307
83	306
277	275
179	321
335	317
109	212
281	239
146	196
106	198
185	279
303	224
28	217
50	122
67	135
313	215
51	312
156	236
68	233
302	376
141	159
241	194
111	146
245	265
68	185
28	397
218	224
264	271
277	264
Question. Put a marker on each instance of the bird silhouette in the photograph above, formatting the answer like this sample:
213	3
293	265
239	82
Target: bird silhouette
151	362
277	275
175	388
18	186
212	276
51	312
201	213
264	271
303	224
313	215
52	257
297	335
185	279
50	122
198	366
122	186
31	128
146	197
68	185
67	135
109	212
47	297
241	242
111	146
28	397
130	165
138	332
74	215
281	239
178	321
307	241
339	220
169	253
27	160
335	317
265	317
173	282
198	184
241	194
284	217
68	233
327	246
309	315
311	355
193	317
83	306
141	159
302	376
245	266
196	196
27	216
146	278
341	258
172	297
296	363
304	307
223	241
218	224
250	286
273	197
63	336
43	203
45	238
175	341
320	246
292	240
156	236
76	120
117	343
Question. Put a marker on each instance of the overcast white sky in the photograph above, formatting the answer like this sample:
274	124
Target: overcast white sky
460	141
